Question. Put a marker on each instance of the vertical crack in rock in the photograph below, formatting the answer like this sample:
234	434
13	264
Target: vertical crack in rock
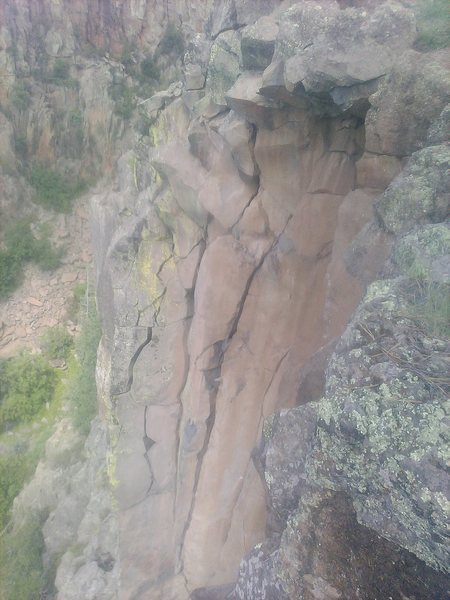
249	283
255	455
212	387
252	197
135	357
213	375
148	443
190	301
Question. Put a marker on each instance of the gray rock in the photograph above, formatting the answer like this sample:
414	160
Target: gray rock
379	439
224	65
245	99
231	14
420	194
288	434
258	44
404	107
439	131
239	136
425	253
335	56
258	577
223	17
194	77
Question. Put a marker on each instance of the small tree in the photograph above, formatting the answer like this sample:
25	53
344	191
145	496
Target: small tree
172	41
61	69
150	69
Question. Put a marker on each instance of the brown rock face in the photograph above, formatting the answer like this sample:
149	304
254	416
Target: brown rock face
227	266
239	281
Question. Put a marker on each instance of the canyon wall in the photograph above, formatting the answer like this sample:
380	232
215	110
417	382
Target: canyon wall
231	255
294	150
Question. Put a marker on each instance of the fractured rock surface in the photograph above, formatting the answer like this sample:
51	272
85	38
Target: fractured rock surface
233	243
241	258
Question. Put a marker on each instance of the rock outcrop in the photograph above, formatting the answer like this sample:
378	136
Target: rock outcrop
265	248
233	251
71	486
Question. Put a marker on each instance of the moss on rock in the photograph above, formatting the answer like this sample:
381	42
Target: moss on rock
419	194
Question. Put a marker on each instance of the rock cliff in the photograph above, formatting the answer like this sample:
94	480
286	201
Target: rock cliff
271	251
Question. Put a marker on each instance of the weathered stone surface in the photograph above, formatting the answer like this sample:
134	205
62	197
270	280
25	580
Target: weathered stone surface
403	108
80	533
224	65
345	285
291	434
388	420
324	552
244	98
327	49
420	194
194	77
238	134
425	253
377	436
231	247
258	44
439	131
376	171
231	14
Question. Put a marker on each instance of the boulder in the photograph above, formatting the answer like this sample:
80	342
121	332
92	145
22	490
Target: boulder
258	44
224	65
403	108
420	193
194	77
336	56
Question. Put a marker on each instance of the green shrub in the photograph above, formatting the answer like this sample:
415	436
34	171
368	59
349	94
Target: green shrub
430	306
54	190
75	133
127	57
46	256
433	24
145	89
21	95
21	247
124	101
29	382
82	389
61	69
150	69
21	145
77	301
10	274
20	241
172	41
57	343
15	469
21	567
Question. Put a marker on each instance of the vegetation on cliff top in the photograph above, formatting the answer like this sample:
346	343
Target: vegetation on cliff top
433	24
32	394
27	383
21	246
53	189
21	568
81	391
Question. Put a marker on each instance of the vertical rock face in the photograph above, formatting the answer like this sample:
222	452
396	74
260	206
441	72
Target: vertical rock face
263	194
230	255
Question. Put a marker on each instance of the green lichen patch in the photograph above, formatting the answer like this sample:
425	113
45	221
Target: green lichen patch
418	194
382	427
425	253
224	65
